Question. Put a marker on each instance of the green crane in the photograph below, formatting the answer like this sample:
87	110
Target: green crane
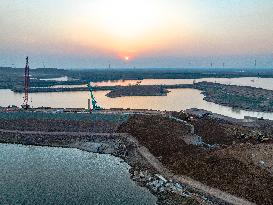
94	102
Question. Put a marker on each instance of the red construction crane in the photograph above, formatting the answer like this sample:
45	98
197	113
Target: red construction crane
26	88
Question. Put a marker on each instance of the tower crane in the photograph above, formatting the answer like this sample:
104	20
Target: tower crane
26	85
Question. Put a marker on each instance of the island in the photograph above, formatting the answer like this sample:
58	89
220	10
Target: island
238	97
138	90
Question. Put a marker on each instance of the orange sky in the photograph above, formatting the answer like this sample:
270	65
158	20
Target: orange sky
110	30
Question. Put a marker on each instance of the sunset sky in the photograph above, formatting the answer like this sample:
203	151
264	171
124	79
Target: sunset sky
136	33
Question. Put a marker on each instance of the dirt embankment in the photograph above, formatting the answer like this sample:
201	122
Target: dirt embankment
229	155
240	97
94	136
164	138
58	125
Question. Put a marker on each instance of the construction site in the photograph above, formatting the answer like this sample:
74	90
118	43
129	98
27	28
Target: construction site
187	157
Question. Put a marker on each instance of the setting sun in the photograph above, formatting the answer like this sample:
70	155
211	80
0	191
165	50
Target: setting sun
151	33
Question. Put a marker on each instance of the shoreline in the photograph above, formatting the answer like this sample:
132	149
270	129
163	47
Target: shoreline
163	148
141	171
96	88
238	97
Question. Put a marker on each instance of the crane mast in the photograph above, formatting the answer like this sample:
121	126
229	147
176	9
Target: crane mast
26	85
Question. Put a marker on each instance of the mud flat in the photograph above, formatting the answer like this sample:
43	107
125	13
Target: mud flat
240	97
144	90
183	158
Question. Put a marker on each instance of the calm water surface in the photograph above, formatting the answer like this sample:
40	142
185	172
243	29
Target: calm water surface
60	79
42	175
266	83
177	99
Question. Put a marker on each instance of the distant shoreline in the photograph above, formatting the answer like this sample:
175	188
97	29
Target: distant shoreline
13	78
96	88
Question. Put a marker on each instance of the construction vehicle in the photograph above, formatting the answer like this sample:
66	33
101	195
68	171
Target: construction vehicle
93	100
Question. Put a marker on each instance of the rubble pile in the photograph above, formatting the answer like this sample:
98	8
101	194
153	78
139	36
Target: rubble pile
170	191
165	138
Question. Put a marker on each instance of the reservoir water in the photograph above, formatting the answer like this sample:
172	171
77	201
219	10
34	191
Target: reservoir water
60	79
43	175
176	100
265	83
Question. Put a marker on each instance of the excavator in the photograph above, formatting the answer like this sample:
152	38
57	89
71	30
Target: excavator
93	100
